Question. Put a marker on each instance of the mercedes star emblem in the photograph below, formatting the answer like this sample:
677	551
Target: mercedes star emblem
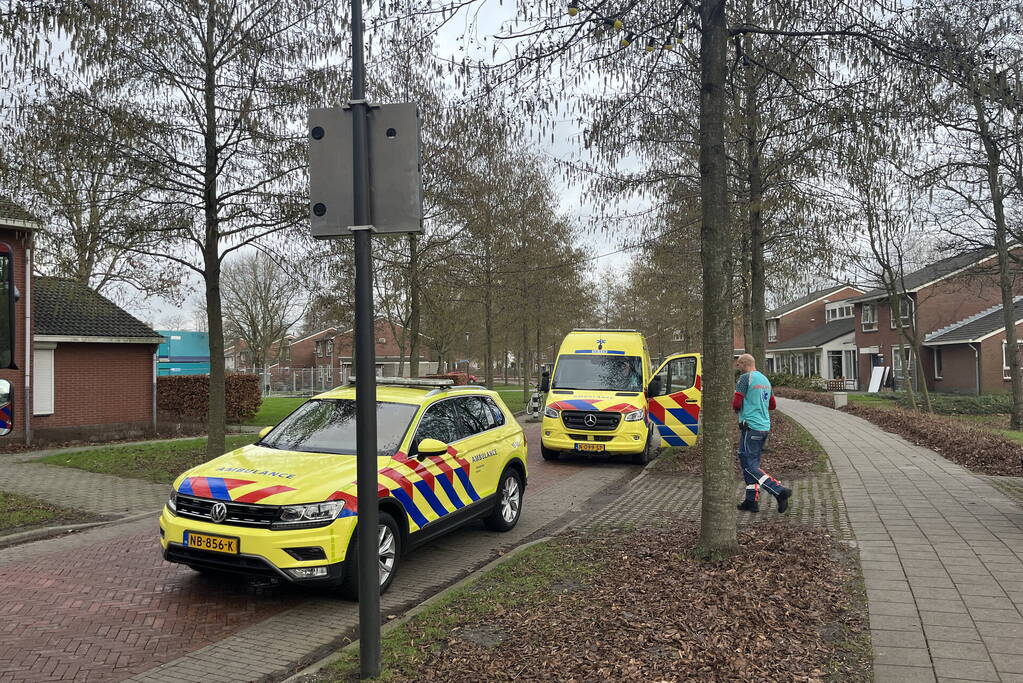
590	420
219	513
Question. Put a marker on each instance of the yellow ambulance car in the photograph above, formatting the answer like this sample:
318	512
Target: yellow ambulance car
286	506
605	397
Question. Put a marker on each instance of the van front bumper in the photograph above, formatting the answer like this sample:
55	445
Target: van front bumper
261	552
628	438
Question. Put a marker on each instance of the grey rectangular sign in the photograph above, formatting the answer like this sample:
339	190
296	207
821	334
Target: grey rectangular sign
395	170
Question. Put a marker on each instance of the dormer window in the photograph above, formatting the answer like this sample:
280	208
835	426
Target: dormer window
838	311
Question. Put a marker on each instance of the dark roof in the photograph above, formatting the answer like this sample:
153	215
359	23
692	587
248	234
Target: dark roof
943	268
819	336
10	210
802	301
975	327
62	307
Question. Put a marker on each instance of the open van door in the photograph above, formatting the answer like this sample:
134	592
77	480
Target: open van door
675	412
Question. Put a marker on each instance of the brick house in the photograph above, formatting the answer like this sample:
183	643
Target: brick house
330	351
94	373
813	336
938	296
970	355
82	367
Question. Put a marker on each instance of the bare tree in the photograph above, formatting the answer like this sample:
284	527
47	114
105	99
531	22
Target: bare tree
263	299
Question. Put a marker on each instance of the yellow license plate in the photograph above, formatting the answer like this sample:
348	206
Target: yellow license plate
218	544
589	446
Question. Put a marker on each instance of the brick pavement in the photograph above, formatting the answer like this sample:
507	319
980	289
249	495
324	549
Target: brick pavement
941	551
102	605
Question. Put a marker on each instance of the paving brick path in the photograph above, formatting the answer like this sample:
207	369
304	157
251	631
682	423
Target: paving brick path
941	550
102	605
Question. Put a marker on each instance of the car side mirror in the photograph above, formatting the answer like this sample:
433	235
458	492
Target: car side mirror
264	431
429	448
6	407
655	388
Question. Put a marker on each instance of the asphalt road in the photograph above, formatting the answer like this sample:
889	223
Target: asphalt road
102	605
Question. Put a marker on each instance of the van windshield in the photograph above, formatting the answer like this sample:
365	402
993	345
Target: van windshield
328	426
599	373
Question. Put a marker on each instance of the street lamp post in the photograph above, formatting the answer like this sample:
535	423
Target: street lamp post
467	356
365	363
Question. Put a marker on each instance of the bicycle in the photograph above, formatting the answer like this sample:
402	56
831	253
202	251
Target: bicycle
534	406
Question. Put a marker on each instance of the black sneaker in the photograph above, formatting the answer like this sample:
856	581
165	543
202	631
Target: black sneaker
749	506
783	499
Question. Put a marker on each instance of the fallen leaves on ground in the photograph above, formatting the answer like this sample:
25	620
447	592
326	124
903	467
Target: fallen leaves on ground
786	455
783	608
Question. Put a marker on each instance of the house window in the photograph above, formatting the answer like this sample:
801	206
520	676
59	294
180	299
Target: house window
868	317
902	366
330	347
1006	373
772	330
905	305
319	348
42	389
838	311
937	363
850	364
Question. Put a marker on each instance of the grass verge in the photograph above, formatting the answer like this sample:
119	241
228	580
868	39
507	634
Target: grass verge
637	605
274	409
158	462
22	513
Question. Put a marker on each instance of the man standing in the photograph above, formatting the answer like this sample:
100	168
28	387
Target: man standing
752	401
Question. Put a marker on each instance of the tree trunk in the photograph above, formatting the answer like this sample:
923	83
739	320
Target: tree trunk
523	365
1004	276
413	305
217	415
717	520
758	285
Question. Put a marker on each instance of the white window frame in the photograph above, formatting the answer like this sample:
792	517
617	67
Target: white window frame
43	381
907	319
772	330
868	322
1006	372
938	368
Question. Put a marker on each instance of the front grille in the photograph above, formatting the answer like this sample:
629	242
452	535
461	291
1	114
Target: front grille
307	553
579	437
574	419
238	514
602	437
245	564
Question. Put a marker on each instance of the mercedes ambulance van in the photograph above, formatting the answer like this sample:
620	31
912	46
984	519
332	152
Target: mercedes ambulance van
605	397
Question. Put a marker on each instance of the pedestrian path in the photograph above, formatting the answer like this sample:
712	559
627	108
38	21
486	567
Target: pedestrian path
941	550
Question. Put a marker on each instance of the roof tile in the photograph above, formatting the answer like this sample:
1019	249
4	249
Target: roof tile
63	307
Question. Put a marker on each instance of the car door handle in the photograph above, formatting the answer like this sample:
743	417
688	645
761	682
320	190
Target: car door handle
692	400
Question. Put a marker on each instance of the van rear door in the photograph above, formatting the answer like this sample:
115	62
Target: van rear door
675	414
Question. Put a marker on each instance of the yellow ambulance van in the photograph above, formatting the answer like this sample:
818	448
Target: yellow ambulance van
604	397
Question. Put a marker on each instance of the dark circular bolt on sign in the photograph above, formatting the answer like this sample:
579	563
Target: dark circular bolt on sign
317	132
319	209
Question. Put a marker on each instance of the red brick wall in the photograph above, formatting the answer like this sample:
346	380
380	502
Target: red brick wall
810	317
389	348
19	241
303	351
991	378
958	369
100	384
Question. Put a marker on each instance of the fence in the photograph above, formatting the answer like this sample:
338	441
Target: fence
277	381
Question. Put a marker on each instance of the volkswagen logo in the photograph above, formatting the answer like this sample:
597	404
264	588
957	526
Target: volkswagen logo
219	513
590	420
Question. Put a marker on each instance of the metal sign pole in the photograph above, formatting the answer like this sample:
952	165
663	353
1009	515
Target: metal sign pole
365	363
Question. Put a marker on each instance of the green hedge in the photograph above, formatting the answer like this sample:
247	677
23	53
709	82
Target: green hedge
781	379
187	397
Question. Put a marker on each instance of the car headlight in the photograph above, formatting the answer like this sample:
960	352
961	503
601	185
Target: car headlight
634	416
551	412
172	504
316	512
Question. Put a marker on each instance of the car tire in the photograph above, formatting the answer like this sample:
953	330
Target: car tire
349	588
548	453
648	453
508	509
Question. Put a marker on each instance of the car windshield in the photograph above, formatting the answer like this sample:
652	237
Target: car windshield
599	373
328	426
